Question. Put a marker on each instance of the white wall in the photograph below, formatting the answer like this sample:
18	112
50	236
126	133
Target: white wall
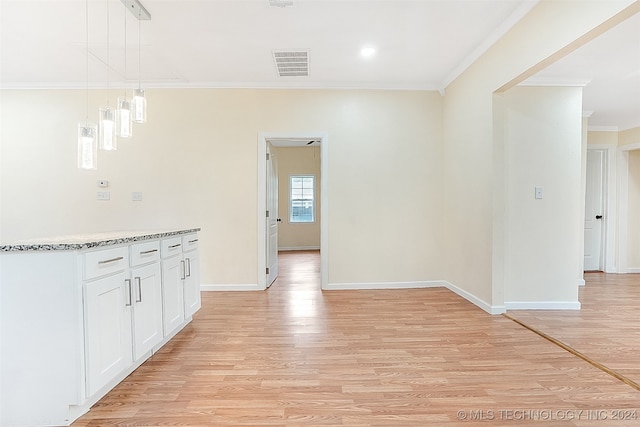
544	132
196	163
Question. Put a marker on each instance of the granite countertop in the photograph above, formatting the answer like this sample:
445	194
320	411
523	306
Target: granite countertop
87	241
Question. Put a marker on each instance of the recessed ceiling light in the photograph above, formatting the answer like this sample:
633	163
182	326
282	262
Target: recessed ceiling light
368	51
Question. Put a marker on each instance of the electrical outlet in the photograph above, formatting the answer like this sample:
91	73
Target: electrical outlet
103	195
136	196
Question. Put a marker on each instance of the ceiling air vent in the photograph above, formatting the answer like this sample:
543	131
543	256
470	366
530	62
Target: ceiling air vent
293	63
281	3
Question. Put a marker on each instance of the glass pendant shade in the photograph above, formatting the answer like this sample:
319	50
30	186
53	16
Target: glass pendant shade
107	128
87	146
124	118
139	107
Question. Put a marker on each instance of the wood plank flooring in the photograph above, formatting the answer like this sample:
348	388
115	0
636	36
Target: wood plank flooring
605	329
296	356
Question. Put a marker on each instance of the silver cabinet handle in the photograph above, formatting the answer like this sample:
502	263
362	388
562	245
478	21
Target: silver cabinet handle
148	252
193	241
106	261
139	299
183	270
188	267
128	291
175	246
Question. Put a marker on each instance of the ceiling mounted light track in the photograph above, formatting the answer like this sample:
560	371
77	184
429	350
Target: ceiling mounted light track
137	9
280	3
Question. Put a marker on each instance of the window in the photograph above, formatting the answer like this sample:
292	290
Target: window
301	198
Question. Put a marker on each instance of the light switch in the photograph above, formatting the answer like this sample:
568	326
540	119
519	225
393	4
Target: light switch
136	196
103	195
539	192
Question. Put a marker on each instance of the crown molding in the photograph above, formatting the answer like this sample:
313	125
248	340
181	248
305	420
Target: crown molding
496	35
555	82
603	128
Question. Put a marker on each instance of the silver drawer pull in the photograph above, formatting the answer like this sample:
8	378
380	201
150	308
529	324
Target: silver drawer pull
106	261
128	282
139	299
193	241
148	252
175	246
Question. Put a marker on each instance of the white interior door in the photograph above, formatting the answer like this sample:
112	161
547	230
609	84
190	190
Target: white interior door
272	215
594	210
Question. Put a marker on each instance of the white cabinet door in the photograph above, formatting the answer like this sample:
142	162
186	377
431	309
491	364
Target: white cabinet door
147	308
108	329
191	283
172	292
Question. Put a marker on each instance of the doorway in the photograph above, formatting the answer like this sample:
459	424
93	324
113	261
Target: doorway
594	210
267	251
610	181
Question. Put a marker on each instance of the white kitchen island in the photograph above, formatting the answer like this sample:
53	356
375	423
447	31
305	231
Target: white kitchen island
80	313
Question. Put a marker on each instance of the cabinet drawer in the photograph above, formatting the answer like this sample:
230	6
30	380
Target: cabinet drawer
104	262
190	242
171	247
142	253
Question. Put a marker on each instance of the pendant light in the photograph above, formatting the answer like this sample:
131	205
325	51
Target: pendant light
124	119
107	134
124	122
139	101
87	132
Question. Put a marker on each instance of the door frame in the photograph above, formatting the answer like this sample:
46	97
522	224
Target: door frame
263	137
610	213
623	204
604	180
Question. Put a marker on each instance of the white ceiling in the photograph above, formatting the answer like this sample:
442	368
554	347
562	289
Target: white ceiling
421	44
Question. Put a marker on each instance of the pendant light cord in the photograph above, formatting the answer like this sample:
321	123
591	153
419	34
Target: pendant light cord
125	51
108	25
86	20
139	52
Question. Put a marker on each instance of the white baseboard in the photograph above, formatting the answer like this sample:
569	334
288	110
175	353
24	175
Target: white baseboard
383	285
491	309
423	284
542	305
238	287
581	282
299	248
633	270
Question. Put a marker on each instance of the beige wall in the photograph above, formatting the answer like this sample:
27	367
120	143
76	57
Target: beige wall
633	240
297	161
629	136
600	138
196	163
475	195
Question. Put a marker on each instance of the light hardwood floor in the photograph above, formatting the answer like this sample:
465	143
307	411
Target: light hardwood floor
296	356
606	328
